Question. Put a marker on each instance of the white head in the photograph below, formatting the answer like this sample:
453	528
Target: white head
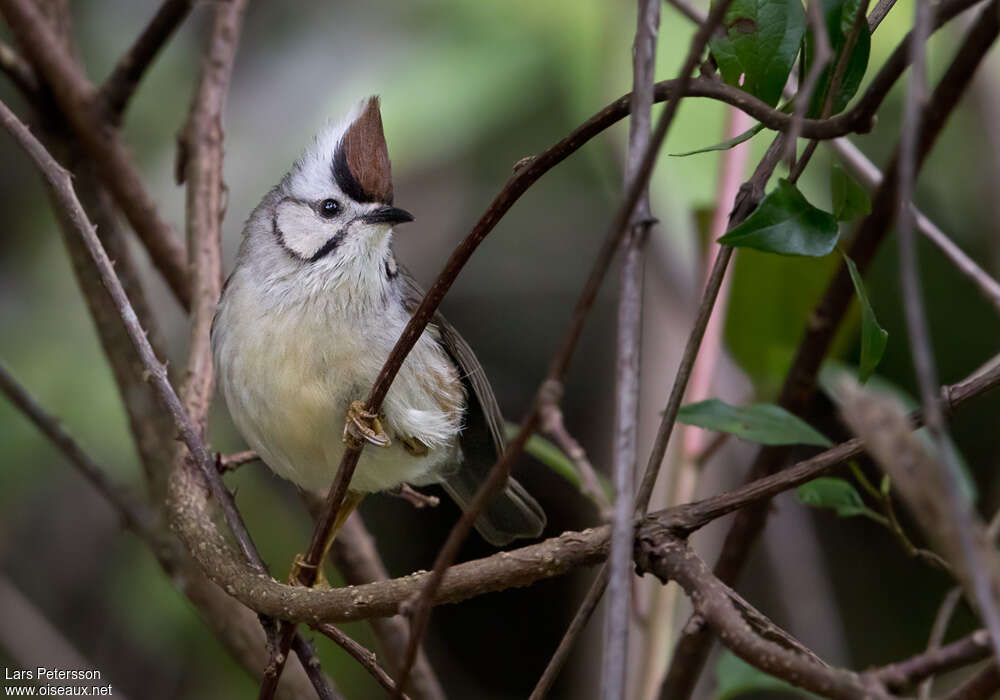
330	218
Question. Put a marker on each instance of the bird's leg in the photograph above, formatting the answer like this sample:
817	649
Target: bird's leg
363	425
351	501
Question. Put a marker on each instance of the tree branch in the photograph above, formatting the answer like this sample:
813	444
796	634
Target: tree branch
625	437
744	630
199	163
799	385
76	98
121	84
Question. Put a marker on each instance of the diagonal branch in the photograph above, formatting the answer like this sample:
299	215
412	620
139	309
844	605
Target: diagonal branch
961	537
60	185
871	177
121	84
744	630
76	98
799	386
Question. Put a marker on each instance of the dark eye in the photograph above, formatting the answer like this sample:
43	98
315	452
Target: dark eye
329	208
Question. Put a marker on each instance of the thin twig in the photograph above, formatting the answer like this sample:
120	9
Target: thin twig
356	558
199	164
19	71
822	55
359	653
800	382
879	12
230	463
973	558
120	85
76	98
982	686
962	652
744	630
520	567
625	437
499	472
60	185
135	513
550	420
833	88
871	177
938	630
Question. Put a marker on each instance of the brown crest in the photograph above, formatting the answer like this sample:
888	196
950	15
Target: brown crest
361	165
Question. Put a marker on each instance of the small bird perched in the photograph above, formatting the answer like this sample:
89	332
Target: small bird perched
314	305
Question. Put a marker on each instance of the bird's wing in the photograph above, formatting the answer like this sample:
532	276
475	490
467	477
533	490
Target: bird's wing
483	413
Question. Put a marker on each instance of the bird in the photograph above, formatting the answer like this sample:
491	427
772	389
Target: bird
308	315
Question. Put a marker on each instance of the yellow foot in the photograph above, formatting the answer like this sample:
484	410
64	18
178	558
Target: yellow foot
364	425
414	446
299	565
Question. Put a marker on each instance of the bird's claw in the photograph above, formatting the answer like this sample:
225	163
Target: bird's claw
363	425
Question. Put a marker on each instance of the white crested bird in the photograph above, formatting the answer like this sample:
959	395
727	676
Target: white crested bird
308	316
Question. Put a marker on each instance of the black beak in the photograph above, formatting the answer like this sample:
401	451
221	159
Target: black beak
387	215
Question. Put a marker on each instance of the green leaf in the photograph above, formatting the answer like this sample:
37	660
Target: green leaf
735	677
725	145
850	199
839	15
831	492
873	337
760	45
762	423
787	224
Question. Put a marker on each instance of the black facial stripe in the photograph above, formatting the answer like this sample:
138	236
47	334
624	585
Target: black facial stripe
329	246
344	178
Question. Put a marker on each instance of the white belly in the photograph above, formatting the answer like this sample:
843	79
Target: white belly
288	380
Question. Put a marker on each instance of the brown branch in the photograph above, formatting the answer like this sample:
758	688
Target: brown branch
235	625
952	525
363	656
822	55
744	630
121	84
59	182
971	549
550	421
799	385
560	363
355	556
573	632
19	71
982	686
136	514
230	463
199	163
962	652
625	436
76	98
516	568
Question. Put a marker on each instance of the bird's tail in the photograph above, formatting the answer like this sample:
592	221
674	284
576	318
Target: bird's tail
512	514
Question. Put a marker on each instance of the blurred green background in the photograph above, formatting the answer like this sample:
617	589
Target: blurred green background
468	89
